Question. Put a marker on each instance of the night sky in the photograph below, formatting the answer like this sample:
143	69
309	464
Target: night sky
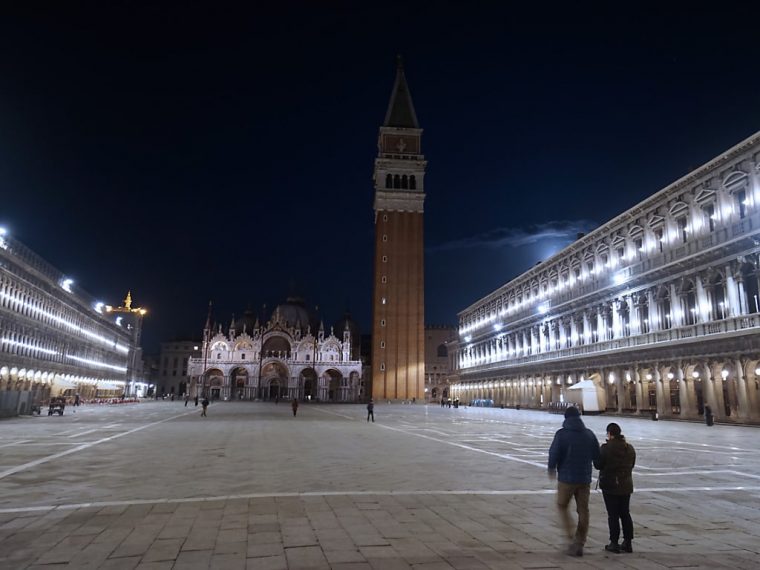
203	152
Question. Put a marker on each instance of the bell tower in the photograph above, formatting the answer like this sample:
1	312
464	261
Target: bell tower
398	304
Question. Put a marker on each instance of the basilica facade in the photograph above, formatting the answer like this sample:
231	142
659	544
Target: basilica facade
659	308
289	356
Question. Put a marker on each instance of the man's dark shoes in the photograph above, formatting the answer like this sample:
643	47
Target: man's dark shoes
612	547
575	549
626	546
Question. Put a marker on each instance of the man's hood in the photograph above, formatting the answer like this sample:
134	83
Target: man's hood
574	423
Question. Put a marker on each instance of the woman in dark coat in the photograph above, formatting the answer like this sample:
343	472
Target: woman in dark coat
616	460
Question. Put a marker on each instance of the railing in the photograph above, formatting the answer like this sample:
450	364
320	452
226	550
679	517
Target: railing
694	332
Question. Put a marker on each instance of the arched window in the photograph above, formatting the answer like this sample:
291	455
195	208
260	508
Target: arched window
405	182
397	181
413	183
389	181
442	351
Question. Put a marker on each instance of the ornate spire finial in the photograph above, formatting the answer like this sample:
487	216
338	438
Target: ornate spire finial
128	300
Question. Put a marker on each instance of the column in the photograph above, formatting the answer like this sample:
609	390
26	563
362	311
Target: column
716	379
633	316
733	306
687	411
654	319
657	378
676	308
742	298
703	304
638	378
708	389
586	328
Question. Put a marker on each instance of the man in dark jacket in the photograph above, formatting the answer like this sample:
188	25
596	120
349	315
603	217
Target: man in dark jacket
571	455
615	463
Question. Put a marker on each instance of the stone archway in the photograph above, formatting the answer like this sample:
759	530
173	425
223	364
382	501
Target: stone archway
213	381
308	382
274	381
238	383
336	386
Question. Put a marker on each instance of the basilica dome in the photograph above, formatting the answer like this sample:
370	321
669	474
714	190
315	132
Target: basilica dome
294	311
247	322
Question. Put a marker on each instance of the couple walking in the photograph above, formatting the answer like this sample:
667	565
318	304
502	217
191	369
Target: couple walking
572	453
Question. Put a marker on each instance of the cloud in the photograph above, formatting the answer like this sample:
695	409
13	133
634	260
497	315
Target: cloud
565	230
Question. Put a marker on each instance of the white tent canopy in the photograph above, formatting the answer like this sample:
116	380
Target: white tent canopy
592	396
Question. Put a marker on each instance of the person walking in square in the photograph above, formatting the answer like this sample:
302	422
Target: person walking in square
615	463
187	398
204	405
371	410
294	405
571	455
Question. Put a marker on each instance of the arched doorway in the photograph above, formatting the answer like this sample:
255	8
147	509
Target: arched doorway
336	386
308	382
239	383
274	381
213	381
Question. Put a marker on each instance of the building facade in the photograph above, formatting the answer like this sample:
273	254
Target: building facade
173	377
658	307
437	369
398	319
55	339
281	359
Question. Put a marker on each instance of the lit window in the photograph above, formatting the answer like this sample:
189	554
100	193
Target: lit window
382	366
382	344
682	228
385	259
385	237
382	322
384	279
382	300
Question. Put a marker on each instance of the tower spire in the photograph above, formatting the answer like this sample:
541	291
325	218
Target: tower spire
400	111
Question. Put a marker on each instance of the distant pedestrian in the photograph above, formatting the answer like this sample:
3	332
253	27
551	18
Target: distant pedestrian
443	402
204	403
571	455
371	410
615	463
277	399
709	418
196	400
187	397
294	405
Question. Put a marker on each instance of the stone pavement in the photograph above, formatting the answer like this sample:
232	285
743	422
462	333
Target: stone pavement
154	486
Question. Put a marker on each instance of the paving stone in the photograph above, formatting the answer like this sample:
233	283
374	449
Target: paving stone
500	515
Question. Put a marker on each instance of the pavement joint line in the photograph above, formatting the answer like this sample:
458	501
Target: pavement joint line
25	466
460	445
248	496
14	443
85	432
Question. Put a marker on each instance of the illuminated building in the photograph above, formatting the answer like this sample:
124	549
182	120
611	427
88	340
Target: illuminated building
282	358
658	307
55	339
437	361
398	319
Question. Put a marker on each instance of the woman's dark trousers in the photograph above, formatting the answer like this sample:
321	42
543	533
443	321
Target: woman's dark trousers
618	509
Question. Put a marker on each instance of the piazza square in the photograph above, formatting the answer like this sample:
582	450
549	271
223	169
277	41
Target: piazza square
154	486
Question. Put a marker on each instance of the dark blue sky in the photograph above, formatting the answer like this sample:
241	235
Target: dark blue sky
208	152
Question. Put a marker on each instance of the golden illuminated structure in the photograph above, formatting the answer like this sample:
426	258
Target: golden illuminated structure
134	366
